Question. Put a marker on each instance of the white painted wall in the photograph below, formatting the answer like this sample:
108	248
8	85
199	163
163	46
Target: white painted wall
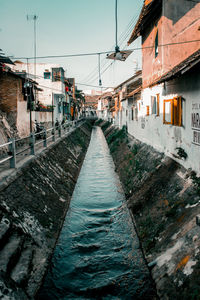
166	137
50	90
23	119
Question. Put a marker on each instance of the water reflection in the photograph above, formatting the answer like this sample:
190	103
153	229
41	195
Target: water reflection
97	256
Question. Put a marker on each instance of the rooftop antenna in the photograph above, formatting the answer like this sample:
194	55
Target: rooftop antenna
100	82
118	55
34	18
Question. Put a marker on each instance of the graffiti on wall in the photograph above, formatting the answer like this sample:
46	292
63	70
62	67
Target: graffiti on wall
195	123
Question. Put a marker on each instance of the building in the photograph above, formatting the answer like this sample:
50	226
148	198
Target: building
53	96
169	110
127	97
105	103
16	101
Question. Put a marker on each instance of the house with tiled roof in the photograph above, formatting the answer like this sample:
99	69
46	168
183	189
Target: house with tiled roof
169	117
17	95
127	100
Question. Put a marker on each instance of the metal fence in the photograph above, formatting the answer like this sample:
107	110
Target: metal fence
35	141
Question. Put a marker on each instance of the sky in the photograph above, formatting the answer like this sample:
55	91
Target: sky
72	27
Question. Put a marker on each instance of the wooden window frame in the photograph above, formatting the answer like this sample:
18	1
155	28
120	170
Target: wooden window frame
148	110
176	111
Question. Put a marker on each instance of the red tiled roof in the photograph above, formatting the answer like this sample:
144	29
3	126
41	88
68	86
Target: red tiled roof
149	9
180	69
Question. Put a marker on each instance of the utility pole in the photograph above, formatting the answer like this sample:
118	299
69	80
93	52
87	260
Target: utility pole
28	87
100	83
34	18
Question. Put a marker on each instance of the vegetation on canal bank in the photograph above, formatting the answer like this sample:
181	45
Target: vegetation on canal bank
165	200
33	204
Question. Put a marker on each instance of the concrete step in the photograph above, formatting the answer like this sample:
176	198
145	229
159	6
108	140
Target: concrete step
21	271
9	251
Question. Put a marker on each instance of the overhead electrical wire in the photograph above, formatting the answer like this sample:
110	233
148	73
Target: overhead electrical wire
122	38
105	52
84	84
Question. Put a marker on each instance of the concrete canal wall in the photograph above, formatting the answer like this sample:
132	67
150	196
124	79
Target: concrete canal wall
164	199
33	204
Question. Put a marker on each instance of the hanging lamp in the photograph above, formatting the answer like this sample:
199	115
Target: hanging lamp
118	55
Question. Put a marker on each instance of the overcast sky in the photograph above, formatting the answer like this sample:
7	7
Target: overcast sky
70	27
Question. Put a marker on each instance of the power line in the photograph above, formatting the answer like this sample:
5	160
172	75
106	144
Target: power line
77	83
83	84
105	52
122	38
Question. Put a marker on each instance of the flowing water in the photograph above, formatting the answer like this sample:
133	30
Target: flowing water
97	255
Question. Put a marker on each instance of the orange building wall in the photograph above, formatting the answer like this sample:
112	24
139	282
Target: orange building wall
178	22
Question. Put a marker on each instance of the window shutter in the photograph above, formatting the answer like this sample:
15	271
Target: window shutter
147	110
175	111
179	111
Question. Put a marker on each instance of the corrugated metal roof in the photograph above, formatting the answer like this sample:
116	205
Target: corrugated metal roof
149	9
137	74
180	69
135	91
5	60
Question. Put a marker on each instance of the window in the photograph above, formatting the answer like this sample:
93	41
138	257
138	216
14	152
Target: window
56	74
172	111
47	75
132	114
156	44
147	110
155	105
136	113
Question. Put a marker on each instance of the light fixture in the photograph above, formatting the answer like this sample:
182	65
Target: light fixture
118	55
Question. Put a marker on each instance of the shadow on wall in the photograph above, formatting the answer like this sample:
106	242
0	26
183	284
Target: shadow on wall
176	12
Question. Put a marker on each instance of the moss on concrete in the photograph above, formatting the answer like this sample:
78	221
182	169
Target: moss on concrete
164	201
35	202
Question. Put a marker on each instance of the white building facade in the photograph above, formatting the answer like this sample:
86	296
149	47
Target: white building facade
52	98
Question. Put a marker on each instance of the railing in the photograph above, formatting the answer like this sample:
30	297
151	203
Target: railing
42	139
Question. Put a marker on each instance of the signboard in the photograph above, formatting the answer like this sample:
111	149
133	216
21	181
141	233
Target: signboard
195	123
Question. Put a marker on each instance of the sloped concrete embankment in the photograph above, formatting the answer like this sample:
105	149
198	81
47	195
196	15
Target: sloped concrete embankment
32	210
164	199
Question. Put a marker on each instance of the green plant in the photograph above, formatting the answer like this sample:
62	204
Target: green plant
181	152
135	149
117	134
99	121
196	181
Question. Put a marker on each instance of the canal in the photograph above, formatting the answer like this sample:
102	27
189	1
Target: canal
98	254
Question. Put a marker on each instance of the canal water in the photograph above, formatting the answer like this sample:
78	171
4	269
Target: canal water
97	255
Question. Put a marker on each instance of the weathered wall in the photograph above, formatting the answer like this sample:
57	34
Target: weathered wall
166	137
33	204
165	202
178	22
13	104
